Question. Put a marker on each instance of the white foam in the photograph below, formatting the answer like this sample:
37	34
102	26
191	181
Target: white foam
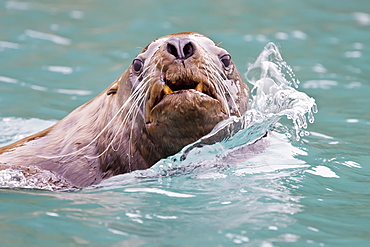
323	171
158	191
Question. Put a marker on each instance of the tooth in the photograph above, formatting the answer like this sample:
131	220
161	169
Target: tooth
200	87
167	90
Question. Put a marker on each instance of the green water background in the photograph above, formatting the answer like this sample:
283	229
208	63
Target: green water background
56	55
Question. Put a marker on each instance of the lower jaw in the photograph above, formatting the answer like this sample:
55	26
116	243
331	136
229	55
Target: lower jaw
178	128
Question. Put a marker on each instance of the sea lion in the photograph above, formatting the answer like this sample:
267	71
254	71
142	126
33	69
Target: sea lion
173	93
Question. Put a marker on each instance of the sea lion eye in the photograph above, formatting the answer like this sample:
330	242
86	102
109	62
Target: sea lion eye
226	60
137	65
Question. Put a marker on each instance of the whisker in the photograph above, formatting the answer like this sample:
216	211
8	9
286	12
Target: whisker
140	88
217	83
222	86
133	99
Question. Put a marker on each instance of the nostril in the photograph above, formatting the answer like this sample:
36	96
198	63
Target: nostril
180	48
188	50
172	50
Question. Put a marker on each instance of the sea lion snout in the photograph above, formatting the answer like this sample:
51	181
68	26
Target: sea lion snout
181	48
191	83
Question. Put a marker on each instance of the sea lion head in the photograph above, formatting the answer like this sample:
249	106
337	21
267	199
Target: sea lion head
190	84
173	93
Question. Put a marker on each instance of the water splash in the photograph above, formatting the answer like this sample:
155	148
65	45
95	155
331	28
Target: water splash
32	178
273	95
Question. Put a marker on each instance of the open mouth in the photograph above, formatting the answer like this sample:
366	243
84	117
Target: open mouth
179	85
171	97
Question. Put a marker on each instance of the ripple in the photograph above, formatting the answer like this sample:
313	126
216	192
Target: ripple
8	45
8	79
321	135
299	34
352	120
47	36
73	92
259	37
362	18
158	191
323	171
59	69
281	36
17	128
77	14
320	84
18	5
351	164
319	68
353	54
22	84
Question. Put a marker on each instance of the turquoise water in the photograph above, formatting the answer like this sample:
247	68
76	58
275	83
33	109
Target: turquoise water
55	56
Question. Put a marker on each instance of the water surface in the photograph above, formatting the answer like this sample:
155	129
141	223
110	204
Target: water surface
55	56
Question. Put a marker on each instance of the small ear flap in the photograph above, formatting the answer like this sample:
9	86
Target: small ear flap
113	89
